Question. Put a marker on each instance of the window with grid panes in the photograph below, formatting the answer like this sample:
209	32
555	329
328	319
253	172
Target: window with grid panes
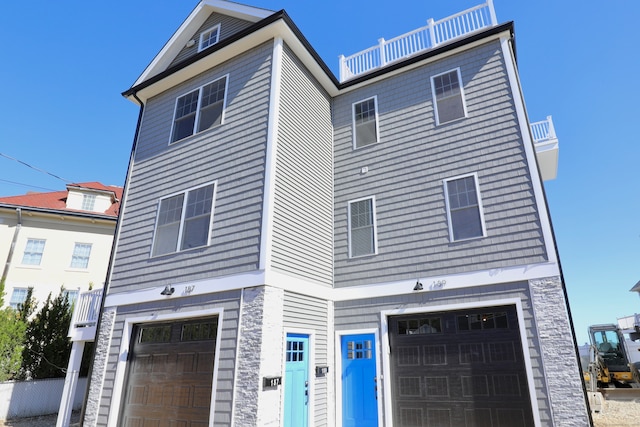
81	254
464	209
365	122
362	239
448	95
199	110
33	252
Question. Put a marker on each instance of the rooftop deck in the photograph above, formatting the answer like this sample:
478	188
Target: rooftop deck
434	34
85	316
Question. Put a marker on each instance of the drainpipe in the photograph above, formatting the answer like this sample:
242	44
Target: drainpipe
16	232
112	257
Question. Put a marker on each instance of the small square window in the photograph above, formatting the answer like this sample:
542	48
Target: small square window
88	202
362	229
448	97
365	122
33	252
81	254
464	208
209	37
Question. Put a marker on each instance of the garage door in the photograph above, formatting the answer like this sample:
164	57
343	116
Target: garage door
459	368
170	372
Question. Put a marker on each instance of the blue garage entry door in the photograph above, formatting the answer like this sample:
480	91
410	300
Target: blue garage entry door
296	382
359	381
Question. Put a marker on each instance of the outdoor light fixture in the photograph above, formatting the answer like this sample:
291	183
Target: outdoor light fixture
168	290
418	286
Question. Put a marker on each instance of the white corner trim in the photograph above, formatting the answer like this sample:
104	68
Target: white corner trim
266	237
525	130
123	355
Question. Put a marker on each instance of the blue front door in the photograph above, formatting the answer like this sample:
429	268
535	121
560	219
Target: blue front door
359	383
296	382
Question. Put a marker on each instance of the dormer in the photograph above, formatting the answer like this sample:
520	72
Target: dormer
89	199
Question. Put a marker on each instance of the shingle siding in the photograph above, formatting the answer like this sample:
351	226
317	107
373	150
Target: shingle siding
228	27
233	155
303	217
408	165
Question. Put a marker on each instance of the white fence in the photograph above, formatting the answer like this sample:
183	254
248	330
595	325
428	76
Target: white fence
21	399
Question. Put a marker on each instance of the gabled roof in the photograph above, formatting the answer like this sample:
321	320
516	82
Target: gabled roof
636	288
57	200
193	22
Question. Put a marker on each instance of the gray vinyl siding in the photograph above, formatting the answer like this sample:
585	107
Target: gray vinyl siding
229	301
228	27
360	314
408	165
232	154
302	312
303	216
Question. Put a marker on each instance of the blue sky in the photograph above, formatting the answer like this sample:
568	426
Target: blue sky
66	63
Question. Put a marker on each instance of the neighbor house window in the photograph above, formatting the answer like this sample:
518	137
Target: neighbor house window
209	37
18	297
80	257
88	202
184	221
365	122
72	296
199	110
449	96
33	252
362	227
464	208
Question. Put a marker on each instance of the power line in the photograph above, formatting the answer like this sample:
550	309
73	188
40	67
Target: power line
35	168
26	185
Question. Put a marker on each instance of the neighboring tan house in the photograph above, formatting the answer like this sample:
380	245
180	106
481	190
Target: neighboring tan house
297	249
57	239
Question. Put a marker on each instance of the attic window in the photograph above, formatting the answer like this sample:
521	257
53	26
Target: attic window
88	202
209	37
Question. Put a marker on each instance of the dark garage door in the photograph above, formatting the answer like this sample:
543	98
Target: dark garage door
459	368
170	372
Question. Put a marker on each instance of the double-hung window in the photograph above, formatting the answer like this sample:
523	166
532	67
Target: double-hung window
184	220
209	37
199	110
33	252
362	227
18	297
464	208
365	122
448	96
81	254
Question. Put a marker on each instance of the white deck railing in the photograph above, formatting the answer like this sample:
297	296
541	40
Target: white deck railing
431	36
629	322
87	309
543	131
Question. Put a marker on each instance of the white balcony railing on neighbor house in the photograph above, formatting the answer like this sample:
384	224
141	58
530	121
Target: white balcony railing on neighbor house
417	41
545	142
543	131
629	322
85	315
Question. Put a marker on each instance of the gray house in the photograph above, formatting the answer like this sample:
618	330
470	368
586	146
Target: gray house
299	249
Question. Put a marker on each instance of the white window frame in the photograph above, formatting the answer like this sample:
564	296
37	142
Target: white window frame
435	98
88	202
375	226
14	304
205	37
24	255
196	122
182	219
353	122
75	255
480	206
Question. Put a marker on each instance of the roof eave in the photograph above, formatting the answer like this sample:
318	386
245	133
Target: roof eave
60	212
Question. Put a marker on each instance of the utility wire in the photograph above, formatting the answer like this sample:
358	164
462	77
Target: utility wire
34	168
26	185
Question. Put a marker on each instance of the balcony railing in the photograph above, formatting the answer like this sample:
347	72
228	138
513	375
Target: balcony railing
545	143
434	34
85	315
543	131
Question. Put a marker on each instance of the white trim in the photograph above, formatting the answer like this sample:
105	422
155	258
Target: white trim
208	31
311	372
182	218
338	370
527	139
435	99
237	358
353	121
123	355
384	327
476	182
375	225
266	235
196	120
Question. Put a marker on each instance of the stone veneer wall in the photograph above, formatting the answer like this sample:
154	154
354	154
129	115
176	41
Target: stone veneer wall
562	372
259	354
99	367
